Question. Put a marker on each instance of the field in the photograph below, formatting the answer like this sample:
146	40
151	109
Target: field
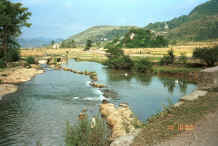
99	55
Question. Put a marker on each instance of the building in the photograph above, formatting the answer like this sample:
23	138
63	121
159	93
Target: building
56	46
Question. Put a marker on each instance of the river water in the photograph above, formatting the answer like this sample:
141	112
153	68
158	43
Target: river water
40	109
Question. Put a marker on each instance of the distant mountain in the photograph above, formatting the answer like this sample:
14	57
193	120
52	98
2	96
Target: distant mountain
36	42
103	33
200	24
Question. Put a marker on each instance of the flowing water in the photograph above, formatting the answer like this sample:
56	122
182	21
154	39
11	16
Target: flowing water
40	109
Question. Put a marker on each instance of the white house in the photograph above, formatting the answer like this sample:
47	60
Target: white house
56	46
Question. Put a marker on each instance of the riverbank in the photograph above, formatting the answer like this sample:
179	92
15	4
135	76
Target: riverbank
190	123
11	77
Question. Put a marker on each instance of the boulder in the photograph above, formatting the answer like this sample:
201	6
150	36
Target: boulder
121	119
93	77
109	93
67	69
93	84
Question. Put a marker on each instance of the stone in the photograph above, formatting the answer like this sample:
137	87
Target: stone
109	93
82	116
93	77
178	103
93	84
194	95
106	109
121	119
67	69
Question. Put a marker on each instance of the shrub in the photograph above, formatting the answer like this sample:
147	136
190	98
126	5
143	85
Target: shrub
88	45
30	60
208	55
82	134
165	60
168	59
117	59
143	65
2	63
120	62
183	58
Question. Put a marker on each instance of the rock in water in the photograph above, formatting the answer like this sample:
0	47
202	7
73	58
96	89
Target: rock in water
109	93
93	84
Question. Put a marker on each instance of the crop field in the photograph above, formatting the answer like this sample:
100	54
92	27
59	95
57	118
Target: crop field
99	55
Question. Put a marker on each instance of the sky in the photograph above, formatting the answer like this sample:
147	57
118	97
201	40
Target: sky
63	18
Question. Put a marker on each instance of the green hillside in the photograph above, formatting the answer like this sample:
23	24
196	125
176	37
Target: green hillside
98	34
201	24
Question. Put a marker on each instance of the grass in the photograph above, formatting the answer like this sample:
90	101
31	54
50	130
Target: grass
156	128
83	134
152	59
174	69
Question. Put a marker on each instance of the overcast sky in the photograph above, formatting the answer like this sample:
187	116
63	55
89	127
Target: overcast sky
63	18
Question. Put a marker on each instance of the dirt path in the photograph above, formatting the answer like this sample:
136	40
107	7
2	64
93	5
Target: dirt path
204	134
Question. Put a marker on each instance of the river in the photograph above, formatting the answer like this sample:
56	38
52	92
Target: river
41	107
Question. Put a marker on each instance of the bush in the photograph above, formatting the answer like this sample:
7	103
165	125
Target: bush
143	65
88	45
82	134
182	58
30	60
117	59
208	55
168	59
120	62
2	63
165	60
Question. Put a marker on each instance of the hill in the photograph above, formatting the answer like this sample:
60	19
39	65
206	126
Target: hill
98	34
201	24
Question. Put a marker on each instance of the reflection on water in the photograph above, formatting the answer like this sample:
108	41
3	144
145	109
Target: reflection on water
171	84
41	107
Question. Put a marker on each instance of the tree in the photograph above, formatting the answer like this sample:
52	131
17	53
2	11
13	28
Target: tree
73	44
52	42
141	38
88	45
13	17
208	55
